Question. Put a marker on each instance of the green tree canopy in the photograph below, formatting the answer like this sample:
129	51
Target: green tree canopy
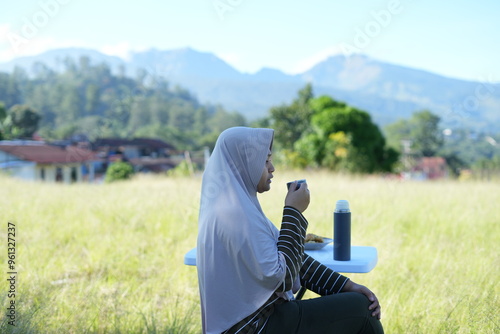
344	138
328	133
3	115
291	121
118	171
21	122
3	112
421	132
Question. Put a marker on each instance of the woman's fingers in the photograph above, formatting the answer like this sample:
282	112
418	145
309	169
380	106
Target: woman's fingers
375	307
300	198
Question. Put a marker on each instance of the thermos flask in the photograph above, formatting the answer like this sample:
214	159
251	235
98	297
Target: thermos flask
342	231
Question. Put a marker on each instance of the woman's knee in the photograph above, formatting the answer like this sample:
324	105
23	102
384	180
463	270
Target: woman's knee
361	303
344	312
346	304
358	299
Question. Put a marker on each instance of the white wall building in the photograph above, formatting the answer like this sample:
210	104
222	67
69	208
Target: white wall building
31	160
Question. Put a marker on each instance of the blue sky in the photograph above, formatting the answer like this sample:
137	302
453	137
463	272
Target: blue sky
458	38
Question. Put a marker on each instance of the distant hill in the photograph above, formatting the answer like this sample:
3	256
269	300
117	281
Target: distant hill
388	92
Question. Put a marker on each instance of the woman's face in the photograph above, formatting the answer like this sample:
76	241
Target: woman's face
267	174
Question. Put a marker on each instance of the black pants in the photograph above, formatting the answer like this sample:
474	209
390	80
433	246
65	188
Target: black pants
341	313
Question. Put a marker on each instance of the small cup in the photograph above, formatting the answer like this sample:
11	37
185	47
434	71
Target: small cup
298	183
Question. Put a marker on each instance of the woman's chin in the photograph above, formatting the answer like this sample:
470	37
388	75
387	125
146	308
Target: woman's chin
263	189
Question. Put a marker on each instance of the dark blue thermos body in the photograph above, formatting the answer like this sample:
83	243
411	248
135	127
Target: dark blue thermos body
342	231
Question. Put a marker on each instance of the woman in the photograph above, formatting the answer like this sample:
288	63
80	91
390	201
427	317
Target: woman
248	270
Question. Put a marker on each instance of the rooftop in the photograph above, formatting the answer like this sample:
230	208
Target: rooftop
44	154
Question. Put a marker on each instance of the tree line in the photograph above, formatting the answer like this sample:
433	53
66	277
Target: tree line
422	136
323	132
310	131
91	100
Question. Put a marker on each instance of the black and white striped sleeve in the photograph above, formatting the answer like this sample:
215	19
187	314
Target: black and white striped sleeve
319	278
291	244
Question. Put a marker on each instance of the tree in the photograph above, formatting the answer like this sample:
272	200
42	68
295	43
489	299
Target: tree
3	115
344	138
21	122
70	105
90	98
221	120
421	131
427	136
291	121
119	171
14	87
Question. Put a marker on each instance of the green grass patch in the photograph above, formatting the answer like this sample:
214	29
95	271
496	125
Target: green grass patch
109	258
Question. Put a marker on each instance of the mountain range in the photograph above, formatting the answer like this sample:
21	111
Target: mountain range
388	92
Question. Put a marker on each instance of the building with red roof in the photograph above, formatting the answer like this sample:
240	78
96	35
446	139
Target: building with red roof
38	161
428	168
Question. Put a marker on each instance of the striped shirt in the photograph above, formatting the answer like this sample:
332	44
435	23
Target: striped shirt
313	275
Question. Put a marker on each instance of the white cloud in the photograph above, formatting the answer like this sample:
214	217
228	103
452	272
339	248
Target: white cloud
121	50
232	58
316	58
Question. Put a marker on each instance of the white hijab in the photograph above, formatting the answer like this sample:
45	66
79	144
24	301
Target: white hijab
238	263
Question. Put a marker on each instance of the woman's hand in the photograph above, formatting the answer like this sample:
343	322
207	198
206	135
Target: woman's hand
298	199
350	286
